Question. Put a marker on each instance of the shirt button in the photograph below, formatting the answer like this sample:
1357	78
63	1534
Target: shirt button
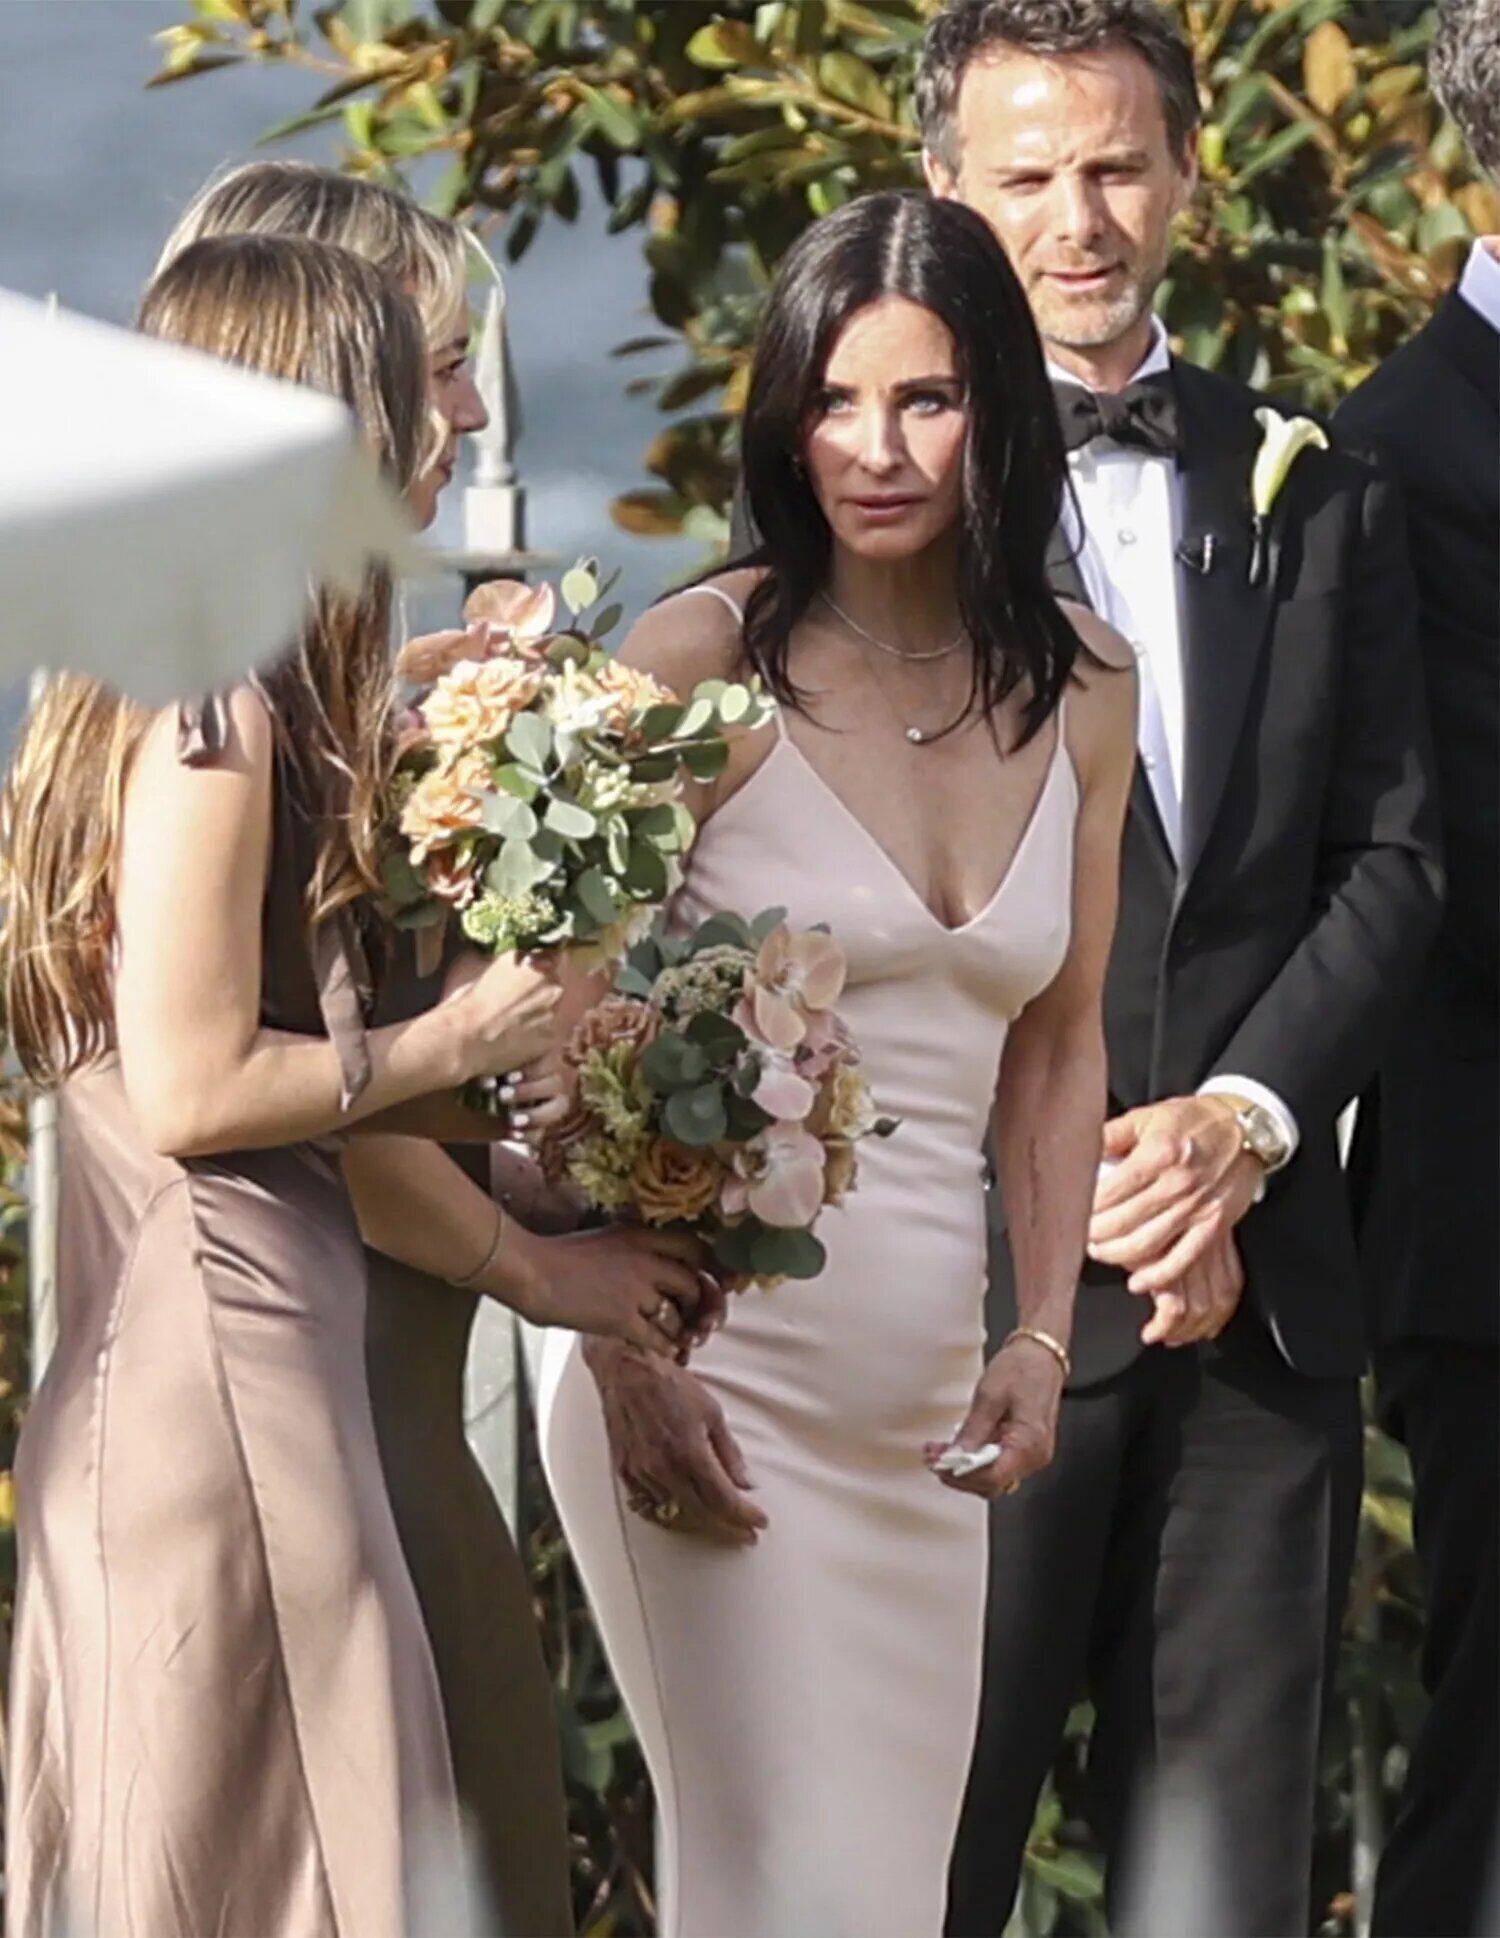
1125	535
1148	761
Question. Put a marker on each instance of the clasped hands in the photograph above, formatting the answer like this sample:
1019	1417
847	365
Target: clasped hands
1175	1182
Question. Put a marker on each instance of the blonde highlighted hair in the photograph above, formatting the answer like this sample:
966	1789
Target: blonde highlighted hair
313	315
425	253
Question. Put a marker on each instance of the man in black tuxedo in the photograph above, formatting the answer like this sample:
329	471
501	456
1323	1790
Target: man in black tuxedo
1427	1149
1186	1556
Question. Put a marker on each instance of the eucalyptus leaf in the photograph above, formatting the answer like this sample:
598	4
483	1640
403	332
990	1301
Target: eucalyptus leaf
725	927
781	1254
697	715
568	819
517	868
672	1063
706	760
580	588
696	1117
593	889
733	1245
516	780
530	739
506	814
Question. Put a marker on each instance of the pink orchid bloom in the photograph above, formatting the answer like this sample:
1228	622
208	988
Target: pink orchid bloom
781	1088
779	1176
794	976
827	1043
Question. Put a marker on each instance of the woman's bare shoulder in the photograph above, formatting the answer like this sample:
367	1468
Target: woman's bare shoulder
1107	647
693	635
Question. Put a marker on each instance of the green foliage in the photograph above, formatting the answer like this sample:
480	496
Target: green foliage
1335	206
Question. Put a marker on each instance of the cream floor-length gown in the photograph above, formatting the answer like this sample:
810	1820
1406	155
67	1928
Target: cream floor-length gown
807	1706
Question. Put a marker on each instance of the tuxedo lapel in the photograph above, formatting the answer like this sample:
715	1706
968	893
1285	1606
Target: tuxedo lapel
1065	577
1224	617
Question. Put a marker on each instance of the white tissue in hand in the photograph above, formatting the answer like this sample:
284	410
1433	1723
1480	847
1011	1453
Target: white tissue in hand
960	1462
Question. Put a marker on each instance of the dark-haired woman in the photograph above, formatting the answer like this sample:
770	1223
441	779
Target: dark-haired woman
787	1570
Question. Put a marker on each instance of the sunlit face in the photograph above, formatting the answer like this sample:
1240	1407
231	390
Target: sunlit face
885	441
454	397
1069	161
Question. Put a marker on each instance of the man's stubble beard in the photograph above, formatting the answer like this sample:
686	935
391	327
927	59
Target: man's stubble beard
1095	325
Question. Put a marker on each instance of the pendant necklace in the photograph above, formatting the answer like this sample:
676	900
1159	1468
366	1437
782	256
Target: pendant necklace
918	736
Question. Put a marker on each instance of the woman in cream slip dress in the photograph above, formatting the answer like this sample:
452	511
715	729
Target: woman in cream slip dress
807	1703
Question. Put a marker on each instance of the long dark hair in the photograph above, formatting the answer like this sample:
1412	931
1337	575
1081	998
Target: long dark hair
943	256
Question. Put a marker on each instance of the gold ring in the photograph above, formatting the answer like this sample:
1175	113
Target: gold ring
664	1513
1011	1487
665	1307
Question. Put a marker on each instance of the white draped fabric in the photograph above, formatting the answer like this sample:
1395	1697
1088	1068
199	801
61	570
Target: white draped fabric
162	513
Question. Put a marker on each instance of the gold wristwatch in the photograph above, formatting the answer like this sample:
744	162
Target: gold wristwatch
1260	1135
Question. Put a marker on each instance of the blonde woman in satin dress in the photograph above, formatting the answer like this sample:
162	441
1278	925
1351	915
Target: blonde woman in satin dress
437	1242
223	1712
789	1585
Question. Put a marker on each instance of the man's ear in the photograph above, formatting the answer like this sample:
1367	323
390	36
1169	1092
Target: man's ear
940	178
1188	173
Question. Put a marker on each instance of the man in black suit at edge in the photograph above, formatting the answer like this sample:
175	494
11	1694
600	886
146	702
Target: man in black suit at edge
1427	1147
1186	1556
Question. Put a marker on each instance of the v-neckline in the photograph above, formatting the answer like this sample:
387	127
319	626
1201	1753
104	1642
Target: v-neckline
1059	755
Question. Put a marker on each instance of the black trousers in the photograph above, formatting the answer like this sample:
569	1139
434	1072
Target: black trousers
1437	1876
1185	1561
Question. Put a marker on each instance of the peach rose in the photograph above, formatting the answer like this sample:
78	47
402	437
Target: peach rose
671	1182
444	805
450	877
477	701
518	617
630	691
840	1172
845	1108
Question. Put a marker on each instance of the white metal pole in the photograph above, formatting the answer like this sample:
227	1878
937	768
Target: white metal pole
42	1189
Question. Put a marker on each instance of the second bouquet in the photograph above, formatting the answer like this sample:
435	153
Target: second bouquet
719	1091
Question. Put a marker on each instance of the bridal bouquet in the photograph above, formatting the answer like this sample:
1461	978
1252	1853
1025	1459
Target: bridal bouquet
538	785
718	1090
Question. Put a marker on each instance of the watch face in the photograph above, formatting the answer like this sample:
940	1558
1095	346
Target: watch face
1262	1135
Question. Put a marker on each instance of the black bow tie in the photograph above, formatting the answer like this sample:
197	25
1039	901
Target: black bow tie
1143	416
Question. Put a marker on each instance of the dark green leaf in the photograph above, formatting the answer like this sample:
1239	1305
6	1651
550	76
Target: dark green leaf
672	1063
598	897
787	1254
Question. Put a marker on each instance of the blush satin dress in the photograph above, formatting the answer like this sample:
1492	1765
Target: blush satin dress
807	1706
224	1720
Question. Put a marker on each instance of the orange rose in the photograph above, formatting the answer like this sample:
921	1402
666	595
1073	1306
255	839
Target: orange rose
478	699
615	1019
671	1182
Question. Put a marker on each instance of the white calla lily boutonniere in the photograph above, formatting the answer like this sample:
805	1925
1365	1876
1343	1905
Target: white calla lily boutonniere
1282	442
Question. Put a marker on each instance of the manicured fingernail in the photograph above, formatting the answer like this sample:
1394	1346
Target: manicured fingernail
515	1076
508	1093
520	1120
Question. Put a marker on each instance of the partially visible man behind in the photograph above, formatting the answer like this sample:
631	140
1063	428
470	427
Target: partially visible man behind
1186	1557
1427	1154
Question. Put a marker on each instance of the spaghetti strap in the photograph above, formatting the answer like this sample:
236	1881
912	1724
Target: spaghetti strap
717	592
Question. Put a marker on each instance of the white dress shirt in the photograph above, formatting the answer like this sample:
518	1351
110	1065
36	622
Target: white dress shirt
1480	284
1131	506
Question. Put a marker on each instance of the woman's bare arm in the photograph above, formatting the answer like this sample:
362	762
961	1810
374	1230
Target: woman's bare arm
201	1073
1051	1097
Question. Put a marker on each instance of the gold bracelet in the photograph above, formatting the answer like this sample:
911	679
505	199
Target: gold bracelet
1054	1346
488	1259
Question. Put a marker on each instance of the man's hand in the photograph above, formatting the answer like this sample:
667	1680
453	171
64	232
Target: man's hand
1015	1407
1202	1302
678	1462
1181	1181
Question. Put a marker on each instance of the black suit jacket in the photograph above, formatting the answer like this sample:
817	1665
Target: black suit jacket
1281	944
1427	1152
